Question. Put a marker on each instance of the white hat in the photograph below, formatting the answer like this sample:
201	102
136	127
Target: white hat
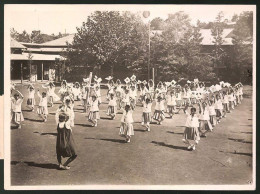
109	78
99	80
127	80
173	82
133	77
85	79
196	80
188	81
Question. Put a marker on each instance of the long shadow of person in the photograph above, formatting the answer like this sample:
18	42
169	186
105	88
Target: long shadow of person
169	146
33	120
53	134
112	140
172	132
39	165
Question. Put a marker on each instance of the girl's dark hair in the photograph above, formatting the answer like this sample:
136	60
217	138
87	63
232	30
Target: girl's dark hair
127	106
44	93
148	100
193	109
63	117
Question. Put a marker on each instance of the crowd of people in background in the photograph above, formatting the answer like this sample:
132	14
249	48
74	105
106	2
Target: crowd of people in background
204	106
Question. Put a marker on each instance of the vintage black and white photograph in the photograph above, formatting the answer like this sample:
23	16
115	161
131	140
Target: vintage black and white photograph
130	96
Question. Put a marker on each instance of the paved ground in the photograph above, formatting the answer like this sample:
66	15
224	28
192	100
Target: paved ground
156	157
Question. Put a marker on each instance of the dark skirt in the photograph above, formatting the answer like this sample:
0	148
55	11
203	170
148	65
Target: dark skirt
191	133
146	117
30	101
218	113
65	145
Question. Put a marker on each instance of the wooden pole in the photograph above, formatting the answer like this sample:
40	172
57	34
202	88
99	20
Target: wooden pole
21	72
153	75
149	50
42	71
90	77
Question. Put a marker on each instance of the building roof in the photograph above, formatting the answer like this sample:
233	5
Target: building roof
209	40
60	41
16	44
49	49
35	57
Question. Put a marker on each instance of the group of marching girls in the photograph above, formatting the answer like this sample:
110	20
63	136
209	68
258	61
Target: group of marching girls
204	107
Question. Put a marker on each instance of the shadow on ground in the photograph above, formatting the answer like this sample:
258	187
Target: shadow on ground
240	140
169	146
39	165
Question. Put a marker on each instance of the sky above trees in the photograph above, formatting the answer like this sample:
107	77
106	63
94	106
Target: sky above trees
51	19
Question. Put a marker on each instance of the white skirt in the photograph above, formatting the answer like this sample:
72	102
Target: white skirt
42	110
126	129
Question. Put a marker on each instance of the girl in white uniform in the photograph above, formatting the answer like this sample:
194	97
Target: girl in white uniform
126	129
191	132
111	110
51	93
212	113
93	111
76	91
147	109
205	125
159	110
42	109
31	99
16	109
171	103
218	108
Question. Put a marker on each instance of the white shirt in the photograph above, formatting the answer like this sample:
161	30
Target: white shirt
212	110
225	100
43	101
132	93
178	96
68	111
218	104
127	117
230	97
51	91
94	105
147	108
204	115
31	94
16	105
112	102
159	105
192	121
171	100
143	91
76	91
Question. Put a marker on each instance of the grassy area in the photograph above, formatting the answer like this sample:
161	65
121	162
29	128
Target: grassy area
156	157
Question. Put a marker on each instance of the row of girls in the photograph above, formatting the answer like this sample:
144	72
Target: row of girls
211	105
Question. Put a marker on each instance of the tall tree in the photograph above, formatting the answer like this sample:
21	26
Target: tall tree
157	24
107	38
243	47
218	53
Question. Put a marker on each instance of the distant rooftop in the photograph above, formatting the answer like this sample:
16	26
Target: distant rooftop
15	44
60	41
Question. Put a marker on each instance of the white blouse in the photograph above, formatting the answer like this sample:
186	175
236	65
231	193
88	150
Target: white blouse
43	101
147	108
159	105
127	117
31	94
171	100
16	105
192	121
94	105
